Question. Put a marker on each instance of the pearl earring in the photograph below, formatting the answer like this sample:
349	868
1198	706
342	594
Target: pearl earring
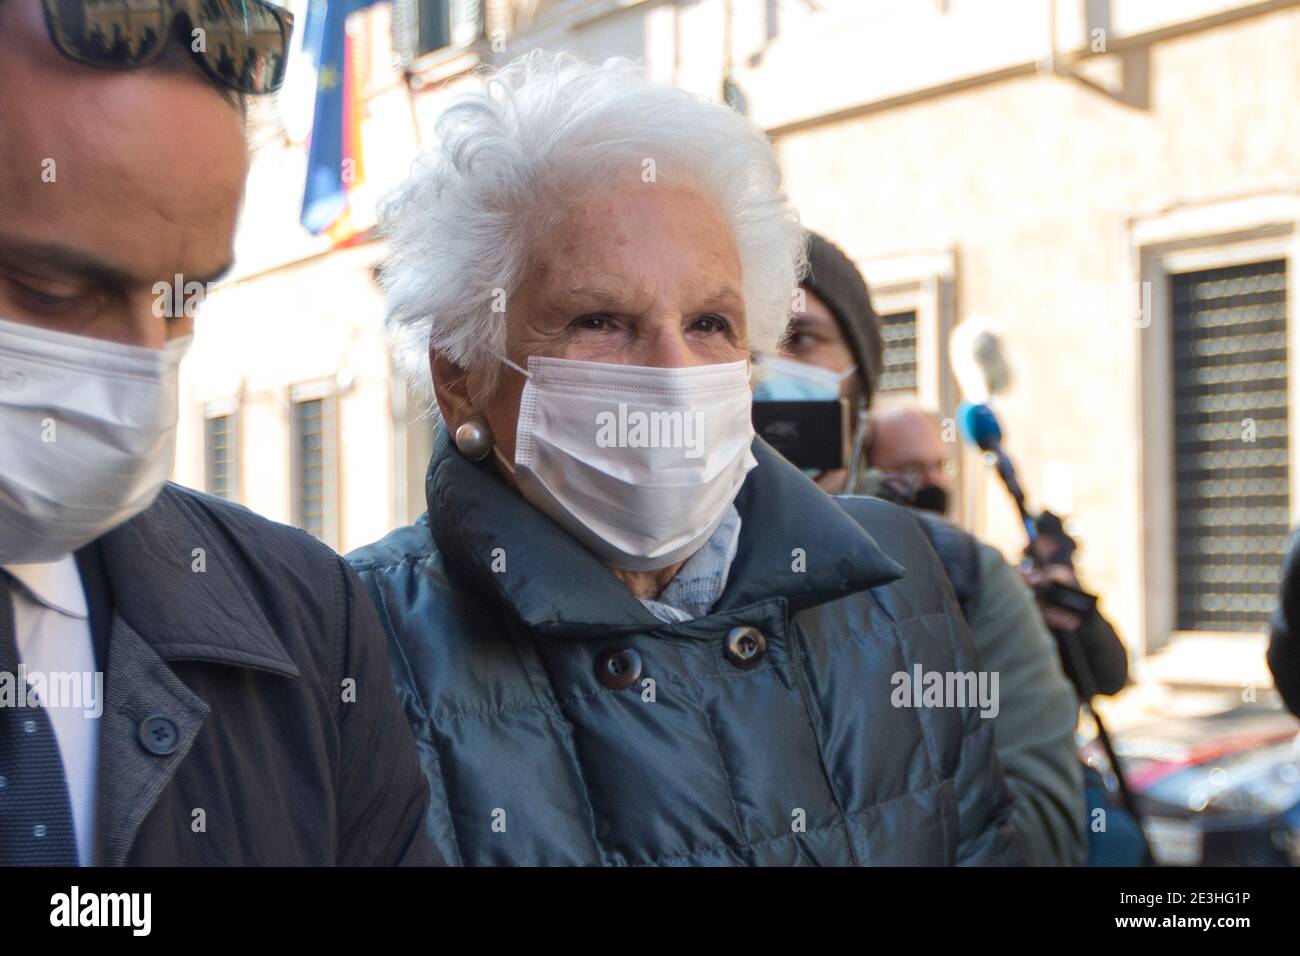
474	438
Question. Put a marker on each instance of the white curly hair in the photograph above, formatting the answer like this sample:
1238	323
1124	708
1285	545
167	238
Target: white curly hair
461	229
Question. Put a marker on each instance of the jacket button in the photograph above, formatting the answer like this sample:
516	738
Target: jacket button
158	735
618	670
745	646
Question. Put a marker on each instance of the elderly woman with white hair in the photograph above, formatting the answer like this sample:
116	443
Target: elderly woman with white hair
626	631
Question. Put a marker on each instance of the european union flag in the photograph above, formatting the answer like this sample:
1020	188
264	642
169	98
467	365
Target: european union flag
335	125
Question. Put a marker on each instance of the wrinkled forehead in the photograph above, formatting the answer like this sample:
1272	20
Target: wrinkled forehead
618	228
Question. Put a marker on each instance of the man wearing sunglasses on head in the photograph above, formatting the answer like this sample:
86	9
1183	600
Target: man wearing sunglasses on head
181	682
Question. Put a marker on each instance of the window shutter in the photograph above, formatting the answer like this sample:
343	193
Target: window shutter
1231	446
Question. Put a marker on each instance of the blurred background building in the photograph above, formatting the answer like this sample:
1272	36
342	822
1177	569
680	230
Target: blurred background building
1114	183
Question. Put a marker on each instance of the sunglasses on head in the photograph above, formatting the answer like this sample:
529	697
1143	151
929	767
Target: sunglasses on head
242	44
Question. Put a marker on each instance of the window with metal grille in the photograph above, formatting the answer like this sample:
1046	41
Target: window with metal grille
313	467
898	364
221	457
425	26
1232	500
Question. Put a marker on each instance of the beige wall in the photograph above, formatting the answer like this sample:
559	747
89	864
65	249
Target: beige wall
316	326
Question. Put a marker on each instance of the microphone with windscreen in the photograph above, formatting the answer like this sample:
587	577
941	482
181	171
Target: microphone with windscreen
982	371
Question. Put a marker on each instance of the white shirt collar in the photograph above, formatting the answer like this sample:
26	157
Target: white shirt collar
56	584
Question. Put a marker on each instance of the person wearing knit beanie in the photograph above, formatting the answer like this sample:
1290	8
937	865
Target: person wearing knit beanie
834	330
835	280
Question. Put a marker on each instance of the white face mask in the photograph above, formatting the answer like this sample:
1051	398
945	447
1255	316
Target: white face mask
87	434
639	464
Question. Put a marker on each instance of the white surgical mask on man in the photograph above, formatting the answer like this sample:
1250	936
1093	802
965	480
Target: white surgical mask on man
639	464
87	435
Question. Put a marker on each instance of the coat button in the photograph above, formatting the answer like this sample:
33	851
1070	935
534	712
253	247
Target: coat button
158	735
745	646
618	670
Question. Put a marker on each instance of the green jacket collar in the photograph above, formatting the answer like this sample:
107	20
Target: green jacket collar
796	543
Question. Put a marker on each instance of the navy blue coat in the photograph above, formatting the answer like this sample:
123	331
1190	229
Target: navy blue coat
248	717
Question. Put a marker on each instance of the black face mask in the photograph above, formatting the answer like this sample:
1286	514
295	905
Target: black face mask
931	498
